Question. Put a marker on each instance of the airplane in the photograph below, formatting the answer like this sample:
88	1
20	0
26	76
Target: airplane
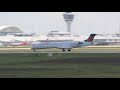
64	44
19	43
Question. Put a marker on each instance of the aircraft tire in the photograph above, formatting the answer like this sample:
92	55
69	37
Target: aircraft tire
69	50
63	50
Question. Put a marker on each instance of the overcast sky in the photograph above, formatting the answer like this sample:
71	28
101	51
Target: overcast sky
43	22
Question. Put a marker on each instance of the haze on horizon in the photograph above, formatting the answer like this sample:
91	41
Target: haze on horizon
84	23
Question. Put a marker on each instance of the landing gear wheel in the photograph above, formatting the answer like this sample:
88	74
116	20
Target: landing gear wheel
63	50
69	50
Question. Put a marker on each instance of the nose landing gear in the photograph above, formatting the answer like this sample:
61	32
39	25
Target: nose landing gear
33	50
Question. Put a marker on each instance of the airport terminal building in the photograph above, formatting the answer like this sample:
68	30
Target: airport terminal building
13	33
10	30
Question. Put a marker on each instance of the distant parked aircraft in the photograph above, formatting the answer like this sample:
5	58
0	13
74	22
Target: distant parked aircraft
19	43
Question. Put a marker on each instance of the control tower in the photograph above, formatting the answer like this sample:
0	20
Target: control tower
68	16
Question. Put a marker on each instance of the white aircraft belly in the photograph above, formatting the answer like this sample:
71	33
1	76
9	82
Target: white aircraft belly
65	46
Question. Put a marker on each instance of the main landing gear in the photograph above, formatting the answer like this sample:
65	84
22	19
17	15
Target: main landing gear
63	50
68	50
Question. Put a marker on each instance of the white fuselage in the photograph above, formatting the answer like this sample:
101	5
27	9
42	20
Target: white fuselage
60	45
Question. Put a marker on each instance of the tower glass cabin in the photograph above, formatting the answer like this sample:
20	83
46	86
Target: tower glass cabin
68	17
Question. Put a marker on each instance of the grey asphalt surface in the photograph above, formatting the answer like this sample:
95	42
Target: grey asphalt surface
79	50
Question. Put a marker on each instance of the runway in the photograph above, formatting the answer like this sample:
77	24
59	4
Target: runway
77	50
